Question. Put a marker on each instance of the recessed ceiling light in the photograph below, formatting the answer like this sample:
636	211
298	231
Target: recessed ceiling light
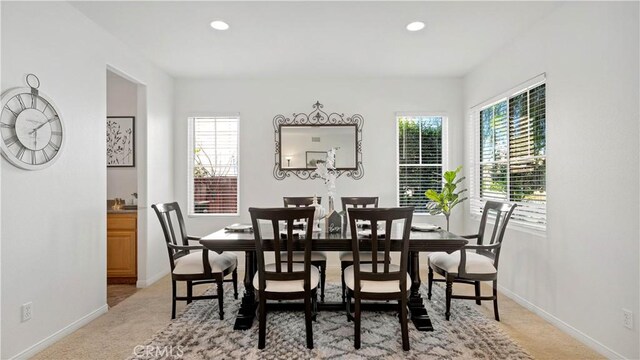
415	26
219	25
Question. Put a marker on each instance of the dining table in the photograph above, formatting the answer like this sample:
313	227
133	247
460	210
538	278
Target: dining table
419	241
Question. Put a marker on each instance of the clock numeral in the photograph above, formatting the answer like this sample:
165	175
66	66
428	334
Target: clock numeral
54	146
46	156
21	102
20	152
57	133
11	111
12	140
33	157
7	126
34	101
45	108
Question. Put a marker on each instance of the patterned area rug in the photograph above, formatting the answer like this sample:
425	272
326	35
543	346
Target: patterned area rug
198	333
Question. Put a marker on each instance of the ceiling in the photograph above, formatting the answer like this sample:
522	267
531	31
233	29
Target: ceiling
328	39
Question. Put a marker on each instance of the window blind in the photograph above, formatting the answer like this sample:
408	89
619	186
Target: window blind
510	155
213	165
420	158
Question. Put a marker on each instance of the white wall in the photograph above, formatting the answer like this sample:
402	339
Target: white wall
122	100
258	101
585	270
56	218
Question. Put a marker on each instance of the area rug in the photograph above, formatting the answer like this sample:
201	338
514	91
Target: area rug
198	333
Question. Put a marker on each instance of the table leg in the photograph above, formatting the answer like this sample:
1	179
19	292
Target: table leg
247	311
419	314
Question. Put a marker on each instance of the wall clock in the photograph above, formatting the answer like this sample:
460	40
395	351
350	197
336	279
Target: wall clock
31	129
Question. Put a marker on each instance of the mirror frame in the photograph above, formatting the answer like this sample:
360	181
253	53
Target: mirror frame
317	117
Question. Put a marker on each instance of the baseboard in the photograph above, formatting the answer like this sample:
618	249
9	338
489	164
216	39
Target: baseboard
55	337
149	281
579	335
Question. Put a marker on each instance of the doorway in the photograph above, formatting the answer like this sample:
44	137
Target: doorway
122	187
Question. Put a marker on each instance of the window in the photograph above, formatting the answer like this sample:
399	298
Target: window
510	154
421	140
213	165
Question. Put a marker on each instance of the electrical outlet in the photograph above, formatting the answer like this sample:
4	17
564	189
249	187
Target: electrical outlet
27	311
628	318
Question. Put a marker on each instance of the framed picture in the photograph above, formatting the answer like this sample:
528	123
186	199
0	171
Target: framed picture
313	157
121	145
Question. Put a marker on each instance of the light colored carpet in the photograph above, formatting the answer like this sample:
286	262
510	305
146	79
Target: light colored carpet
197	333
135	320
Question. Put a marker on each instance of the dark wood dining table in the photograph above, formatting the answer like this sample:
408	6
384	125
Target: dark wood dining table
440	240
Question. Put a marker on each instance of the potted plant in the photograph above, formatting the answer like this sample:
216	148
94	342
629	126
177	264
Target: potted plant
443	202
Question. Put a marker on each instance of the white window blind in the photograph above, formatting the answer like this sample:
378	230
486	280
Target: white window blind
509	155
213	165
420	158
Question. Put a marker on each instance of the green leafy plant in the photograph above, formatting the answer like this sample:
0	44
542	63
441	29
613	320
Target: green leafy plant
443	202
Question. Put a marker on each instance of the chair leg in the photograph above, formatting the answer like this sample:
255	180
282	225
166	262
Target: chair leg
403	323
189	291
449	290
234	277
173	300
307	321
314	304
356	322
430	276
344	286
495	300
221	298
477	286
262	326
348	306
323	277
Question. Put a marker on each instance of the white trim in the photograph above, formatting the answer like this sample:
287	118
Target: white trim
58	335
575	333
538	79
143	283
514	225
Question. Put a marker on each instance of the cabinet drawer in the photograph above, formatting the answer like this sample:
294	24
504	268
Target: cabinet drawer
121	222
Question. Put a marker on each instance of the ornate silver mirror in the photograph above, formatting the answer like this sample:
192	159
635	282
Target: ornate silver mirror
304	140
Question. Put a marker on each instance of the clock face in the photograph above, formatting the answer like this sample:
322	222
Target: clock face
31	130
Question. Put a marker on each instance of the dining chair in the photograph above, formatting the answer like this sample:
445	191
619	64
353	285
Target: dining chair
379	279
284	279
318	258
474	263
194	264
346	257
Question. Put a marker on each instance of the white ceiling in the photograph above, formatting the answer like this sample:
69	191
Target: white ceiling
341	39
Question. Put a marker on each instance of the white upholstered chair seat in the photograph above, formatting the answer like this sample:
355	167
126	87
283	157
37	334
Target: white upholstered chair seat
364	256
299	256
192	263
374	286
287	285
476	264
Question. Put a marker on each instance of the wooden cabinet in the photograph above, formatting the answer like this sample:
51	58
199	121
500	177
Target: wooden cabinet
121	247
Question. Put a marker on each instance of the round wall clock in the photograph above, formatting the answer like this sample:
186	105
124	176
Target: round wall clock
31	130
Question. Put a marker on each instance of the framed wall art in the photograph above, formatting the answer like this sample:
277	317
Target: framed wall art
121	145
312	158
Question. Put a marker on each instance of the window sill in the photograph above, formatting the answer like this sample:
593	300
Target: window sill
212	215
517	227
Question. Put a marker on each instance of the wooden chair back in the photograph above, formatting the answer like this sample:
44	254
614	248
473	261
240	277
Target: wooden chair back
282	242
358	202
501	212
173	228
298	201
381	242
